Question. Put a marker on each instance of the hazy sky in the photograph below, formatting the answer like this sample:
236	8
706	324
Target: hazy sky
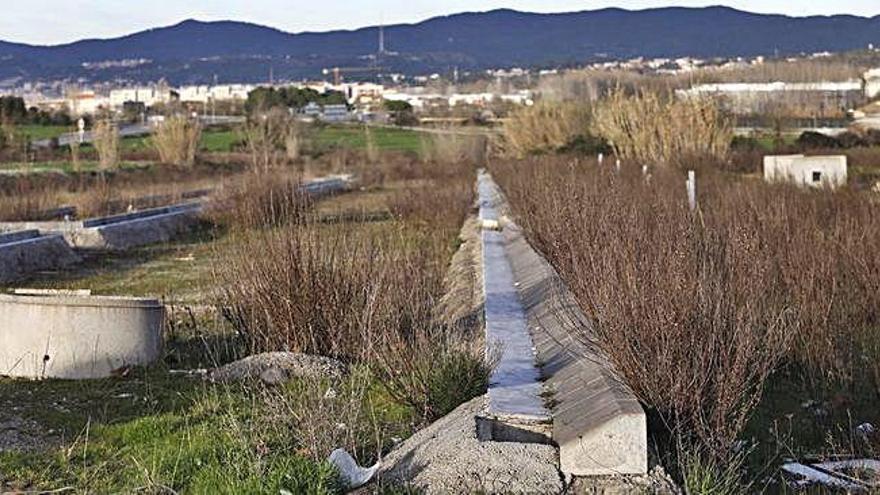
59	21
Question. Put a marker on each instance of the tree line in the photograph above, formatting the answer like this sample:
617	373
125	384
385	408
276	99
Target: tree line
13	110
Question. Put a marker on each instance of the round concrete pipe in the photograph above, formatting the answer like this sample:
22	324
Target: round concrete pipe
77	337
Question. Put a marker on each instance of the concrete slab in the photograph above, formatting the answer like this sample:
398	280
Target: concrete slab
449	457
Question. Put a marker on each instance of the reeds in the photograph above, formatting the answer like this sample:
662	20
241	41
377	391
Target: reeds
546	127
653	128
177	140
105	138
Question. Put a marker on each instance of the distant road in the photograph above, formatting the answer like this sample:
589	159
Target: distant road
871	121
828	131
132	130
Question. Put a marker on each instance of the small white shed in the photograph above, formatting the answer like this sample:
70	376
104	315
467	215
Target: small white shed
814	171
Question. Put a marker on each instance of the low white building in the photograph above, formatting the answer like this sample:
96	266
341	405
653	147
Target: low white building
230	92
205	94
86	103
813	171
194	94
327	113
149	96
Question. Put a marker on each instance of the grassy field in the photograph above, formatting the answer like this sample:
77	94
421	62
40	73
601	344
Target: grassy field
37	132
156	432
326	137
354	137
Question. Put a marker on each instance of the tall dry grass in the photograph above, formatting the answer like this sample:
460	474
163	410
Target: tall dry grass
177	140
371	147
651	127
546	126
696	310
105	138
75	159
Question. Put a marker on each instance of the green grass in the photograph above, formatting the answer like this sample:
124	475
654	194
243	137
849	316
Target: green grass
324	137
219	141
354	137
156	433
38	132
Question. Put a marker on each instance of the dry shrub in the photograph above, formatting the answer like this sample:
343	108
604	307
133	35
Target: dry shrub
447	146
324	415
329	291
177	140
652	128
546	126
260	200
363	293
26	200
271	137
105	138
294	140
697	309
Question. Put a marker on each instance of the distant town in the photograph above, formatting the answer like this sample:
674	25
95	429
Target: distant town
433	94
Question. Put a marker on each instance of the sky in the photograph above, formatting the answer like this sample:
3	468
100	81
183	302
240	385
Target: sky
61	21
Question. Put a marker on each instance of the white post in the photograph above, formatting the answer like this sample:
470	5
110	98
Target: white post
645	170
692	189
601	158
617	165
81	125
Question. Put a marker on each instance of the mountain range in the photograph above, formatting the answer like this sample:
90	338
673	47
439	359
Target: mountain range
197	52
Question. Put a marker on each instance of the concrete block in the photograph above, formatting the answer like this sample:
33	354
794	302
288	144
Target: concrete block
22	253
325	186
77	337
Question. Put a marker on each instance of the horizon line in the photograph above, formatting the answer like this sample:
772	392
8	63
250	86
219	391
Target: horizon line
428	19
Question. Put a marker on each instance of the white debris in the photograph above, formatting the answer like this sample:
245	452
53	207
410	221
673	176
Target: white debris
350	473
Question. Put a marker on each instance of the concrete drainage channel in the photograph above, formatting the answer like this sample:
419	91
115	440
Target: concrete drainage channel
120	232
28	251
27	247
592	417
